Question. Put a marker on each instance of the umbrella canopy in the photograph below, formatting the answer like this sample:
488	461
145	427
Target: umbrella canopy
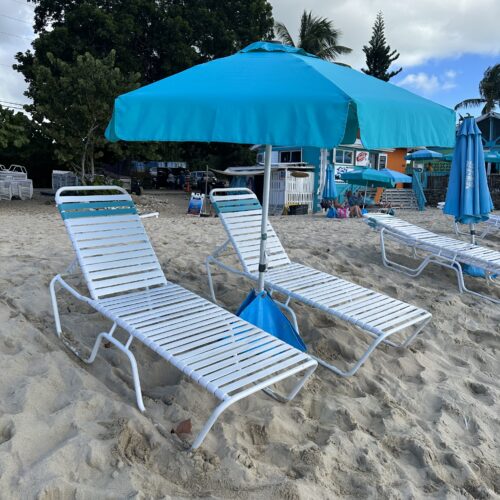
468	197
270	93
330	189
370	177
424	154
397	177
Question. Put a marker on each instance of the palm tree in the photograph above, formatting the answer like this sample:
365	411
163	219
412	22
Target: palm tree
489	90
317	36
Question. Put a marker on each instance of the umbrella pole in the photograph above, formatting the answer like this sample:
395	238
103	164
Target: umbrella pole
472	233
265	213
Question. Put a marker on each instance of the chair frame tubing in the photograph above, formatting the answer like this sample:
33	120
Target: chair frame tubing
441	260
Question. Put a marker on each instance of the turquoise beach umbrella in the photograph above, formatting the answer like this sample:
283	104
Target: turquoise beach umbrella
397	177
369	177
424	154
270	93
468	198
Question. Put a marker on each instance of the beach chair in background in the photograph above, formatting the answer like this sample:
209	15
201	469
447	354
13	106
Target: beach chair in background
491	225
229	357
430	248
375	314
23	189
5	189
483	229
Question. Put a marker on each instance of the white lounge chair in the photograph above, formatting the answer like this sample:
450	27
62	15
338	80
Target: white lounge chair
23	189
224	354
374	313
436	249
483	229
5	189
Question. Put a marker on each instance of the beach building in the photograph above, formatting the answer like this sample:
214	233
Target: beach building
431	176
290	188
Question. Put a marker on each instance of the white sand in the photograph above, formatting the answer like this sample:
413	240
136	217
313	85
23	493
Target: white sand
419	423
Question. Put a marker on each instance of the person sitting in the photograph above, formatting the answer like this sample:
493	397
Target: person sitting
354	204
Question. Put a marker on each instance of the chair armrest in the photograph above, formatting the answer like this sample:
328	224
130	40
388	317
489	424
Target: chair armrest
149	215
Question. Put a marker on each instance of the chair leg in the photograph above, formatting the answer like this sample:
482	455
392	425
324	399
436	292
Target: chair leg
133	363
357	365
55	307
463	288
210	279
294	391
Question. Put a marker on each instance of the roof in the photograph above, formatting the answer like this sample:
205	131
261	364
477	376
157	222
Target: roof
491	114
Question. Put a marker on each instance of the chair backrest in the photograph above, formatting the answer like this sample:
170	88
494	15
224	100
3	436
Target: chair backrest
112	247
18	168
240	213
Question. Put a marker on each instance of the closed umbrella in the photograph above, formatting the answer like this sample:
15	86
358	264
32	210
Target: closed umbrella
468	197
270	93
330	189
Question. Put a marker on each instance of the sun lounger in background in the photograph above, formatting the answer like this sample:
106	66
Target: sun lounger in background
375	314
437	249
219	351
483	229
5	189
14	183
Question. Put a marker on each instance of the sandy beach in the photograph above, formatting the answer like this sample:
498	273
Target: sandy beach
417	423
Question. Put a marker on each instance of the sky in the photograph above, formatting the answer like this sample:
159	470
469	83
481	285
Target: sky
445	45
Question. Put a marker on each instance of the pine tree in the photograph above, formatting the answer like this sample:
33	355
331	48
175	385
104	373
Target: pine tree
379	56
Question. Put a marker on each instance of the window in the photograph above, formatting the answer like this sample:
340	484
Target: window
294	156
344	157
382	161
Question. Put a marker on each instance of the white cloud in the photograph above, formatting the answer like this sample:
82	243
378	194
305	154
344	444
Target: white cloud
419	29
421	81
429	84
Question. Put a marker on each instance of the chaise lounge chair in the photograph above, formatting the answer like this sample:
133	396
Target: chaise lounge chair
219	351
375	314
437	249
488	226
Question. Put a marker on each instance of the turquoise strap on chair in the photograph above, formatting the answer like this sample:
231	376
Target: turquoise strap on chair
96	209
242	205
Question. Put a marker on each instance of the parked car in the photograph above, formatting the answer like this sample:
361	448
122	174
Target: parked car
198	178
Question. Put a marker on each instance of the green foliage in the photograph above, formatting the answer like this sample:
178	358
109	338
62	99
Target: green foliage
151	38
14	129
317	36
72	104
489	90
379	55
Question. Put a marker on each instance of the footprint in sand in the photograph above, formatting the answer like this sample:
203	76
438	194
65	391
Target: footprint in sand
258	434
481	392
7	432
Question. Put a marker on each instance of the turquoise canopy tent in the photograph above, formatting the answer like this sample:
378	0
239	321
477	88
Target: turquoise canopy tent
270	93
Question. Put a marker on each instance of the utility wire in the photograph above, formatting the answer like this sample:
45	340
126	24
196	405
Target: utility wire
10	102
26	4
17	36
15	19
